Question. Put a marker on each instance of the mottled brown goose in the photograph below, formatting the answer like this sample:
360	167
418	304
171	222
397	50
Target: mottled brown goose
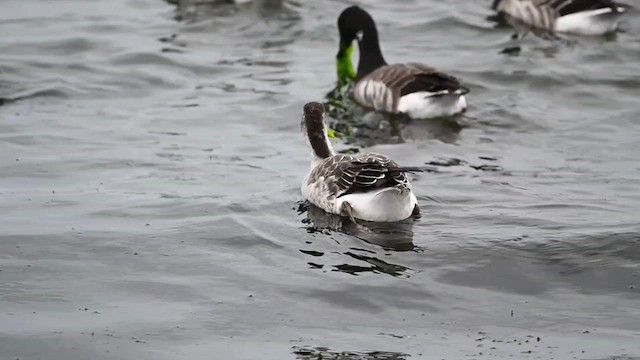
370	187
579	17
416	90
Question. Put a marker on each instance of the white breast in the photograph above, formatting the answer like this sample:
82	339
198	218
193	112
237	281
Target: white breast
388	204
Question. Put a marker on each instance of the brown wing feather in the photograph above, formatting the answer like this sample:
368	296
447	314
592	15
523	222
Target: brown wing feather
566	7
346	174
403	79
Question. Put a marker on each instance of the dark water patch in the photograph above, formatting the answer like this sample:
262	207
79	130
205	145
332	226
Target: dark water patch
602	264
376	266
198	14
232	88
359	126
489	167
45	91
397	236
155	59
171	133
251	62
446	162
349	151
239	235
159	289
372	299
37	140
171	50
66	46
205	255
373	129
316	353
487	270
312	252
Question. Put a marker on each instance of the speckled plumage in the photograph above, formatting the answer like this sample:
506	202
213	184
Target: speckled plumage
344	174
370	186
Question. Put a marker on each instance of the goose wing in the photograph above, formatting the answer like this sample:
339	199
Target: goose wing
542	14
346	174
566	7
383	88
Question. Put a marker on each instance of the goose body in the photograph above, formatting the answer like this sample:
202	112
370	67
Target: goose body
414	89
370	187
578	17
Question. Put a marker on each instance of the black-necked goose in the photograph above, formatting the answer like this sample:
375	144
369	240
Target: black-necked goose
417	90
370	187
579	17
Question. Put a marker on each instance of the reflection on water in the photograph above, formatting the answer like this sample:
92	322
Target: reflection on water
169	161
376	266
363	127
396	236
196	10
322	353
544	42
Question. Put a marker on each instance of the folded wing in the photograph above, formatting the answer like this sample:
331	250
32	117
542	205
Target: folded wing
566	7
383	88
345	174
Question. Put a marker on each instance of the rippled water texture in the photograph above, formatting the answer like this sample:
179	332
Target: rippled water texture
150	161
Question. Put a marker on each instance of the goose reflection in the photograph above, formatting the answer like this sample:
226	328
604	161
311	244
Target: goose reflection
363	127
395	236
316	353
192	10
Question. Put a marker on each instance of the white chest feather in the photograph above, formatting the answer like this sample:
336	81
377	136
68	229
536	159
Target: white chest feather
386	204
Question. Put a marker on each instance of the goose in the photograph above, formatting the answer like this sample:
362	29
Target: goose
369	187
577	17
414	89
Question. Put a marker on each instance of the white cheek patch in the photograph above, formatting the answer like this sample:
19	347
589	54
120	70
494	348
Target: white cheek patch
359	35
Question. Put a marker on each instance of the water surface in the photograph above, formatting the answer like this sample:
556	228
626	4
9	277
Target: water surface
150	161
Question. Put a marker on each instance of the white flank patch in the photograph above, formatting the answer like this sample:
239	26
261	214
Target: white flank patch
424	105
386	205
590	23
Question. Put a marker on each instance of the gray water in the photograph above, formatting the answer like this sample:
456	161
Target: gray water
150	161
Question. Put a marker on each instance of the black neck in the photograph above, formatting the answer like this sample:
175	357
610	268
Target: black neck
370	54
318	140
